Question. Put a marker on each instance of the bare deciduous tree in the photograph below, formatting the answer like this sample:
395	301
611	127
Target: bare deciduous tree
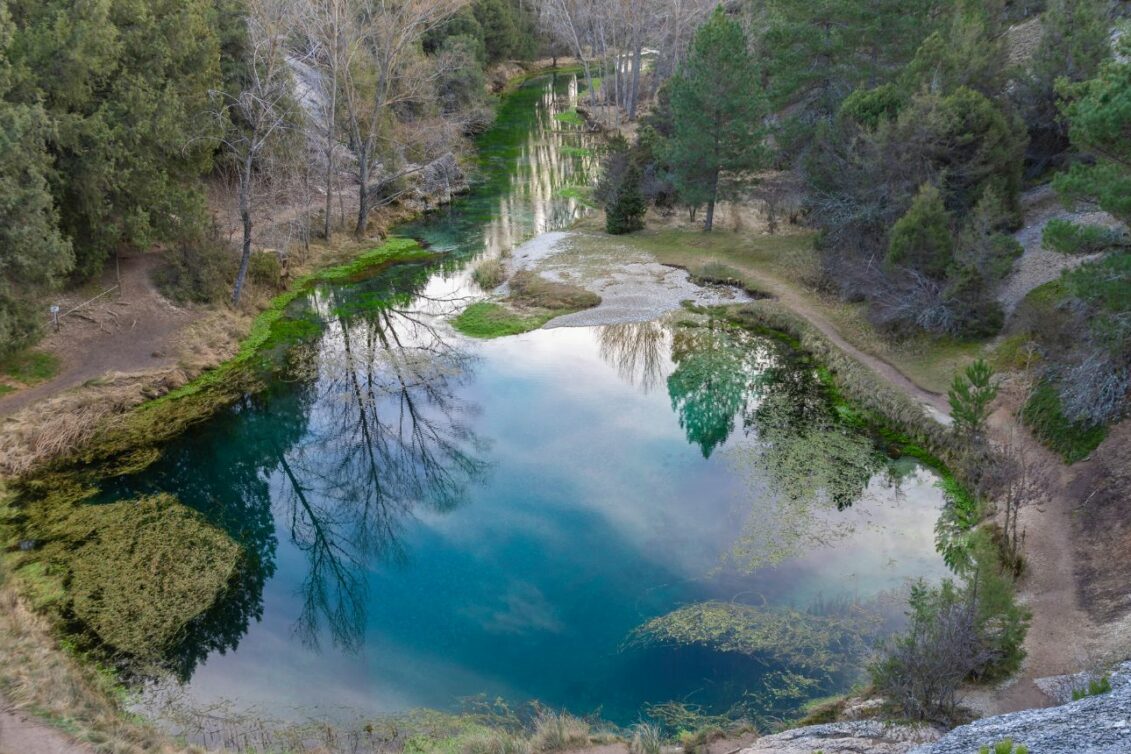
381	41
255	117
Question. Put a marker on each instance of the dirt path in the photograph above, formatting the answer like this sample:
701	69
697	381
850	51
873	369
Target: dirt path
1061	634
1037	264
21	734
127	334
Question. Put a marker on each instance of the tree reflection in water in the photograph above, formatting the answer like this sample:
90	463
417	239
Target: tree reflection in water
638	350
388	436
805	462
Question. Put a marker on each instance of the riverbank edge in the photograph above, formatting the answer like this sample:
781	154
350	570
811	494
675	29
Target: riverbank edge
74	682
858	395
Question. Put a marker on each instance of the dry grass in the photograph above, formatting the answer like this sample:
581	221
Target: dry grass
557	731
64	691
490	274
58	426
532	291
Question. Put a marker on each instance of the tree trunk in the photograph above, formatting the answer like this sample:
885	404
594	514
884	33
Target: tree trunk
709	219
245	219
634	93
326	230
362	193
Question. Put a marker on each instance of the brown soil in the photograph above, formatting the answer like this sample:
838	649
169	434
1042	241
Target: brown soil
20	734
127	333
1100	491
1061	635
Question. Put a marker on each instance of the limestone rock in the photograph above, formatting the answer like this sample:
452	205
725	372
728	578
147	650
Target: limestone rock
1094	725
853	737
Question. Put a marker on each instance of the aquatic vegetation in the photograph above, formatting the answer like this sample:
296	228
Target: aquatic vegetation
139	571
570	117
822	644
572	151
581	194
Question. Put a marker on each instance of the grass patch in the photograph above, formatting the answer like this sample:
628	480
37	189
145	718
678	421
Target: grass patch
1045	417
534	291
581	194
30	367
489	274
571	151
570	117
486	319
533	302
1015	353
5	389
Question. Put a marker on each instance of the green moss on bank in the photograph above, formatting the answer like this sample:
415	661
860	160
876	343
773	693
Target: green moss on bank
129	441
486	319
30	367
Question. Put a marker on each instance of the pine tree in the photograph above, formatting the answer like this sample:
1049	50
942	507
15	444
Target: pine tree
1074	41
32	251
123	84
1097	123
718	114
921	239
970	396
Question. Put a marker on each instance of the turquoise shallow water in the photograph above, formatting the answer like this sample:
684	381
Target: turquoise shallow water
432	518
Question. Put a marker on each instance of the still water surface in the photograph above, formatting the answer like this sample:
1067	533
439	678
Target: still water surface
433	518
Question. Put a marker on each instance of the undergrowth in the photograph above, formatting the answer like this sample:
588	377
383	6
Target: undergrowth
1044	415
30	367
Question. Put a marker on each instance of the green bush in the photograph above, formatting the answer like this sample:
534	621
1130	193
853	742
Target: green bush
1095	687
973	631
921	239
1004	747
1044	415
197	272
265	269
1071	238
870	107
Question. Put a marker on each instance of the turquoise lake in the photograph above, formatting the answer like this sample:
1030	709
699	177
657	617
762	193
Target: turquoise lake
432	518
